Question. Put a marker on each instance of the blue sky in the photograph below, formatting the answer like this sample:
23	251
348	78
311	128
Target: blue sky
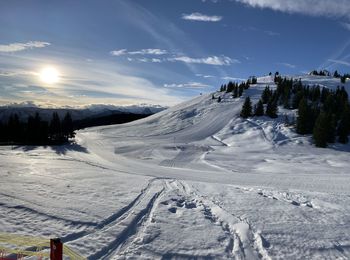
161	51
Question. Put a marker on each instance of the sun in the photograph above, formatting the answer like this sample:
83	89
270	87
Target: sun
49	75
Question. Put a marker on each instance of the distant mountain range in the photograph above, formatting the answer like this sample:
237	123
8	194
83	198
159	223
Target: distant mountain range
24	110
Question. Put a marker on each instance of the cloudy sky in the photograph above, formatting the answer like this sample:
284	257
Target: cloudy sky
161	51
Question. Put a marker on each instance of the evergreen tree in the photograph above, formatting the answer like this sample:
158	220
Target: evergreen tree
235	92
320	131
297	98
15	133
343	79
55	128
246	108
219	99
344	126
336	74
324	94
331	128
259	109
240	89
330	105
315	94
265	96
44	132
252	80
272	108
67	126
230	87
303	119
245	85
31	131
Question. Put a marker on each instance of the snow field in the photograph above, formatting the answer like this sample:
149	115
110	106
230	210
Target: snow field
191	182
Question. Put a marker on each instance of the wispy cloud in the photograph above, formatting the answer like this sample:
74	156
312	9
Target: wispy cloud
233	78
149	52
81	83
342	62
7	73
288	65
187	85
153	60
255	29
166	33
271	33
119	52
204	76
14	47
201	17
328	8
213	1
16	73
211	60
346	25
138	52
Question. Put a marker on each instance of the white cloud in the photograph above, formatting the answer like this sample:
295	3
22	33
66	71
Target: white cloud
148	52
155	60
346	25
138	52
119	52
271	33
205	76
328	8
82	83
145	60
340	62
187	85
7	74
13	47
233	78
255	29
211	60
292	66
201	17
15	73
213	1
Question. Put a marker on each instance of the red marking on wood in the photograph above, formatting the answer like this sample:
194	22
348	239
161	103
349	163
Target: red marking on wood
56	252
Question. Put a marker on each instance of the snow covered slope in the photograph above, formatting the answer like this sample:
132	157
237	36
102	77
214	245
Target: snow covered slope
193	181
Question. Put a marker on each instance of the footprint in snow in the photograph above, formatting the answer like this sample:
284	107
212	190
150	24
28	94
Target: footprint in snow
172	210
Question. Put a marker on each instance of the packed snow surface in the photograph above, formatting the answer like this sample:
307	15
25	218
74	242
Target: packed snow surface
192	182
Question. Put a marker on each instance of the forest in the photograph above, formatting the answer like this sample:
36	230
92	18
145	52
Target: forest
320	112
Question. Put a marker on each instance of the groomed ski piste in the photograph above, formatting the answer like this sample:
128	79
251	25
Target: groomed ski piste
195	181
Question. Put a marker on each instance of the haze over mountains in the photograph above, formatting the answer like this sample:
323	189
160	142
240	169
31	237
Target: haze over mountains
24	110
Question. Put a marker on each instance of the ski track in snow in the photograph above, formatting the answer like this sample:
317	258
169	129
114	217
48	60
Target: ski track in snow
131	221
191	182
243	243
125	223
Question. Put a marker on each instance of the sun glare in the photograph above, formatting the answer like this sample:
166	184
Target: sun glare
49	75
